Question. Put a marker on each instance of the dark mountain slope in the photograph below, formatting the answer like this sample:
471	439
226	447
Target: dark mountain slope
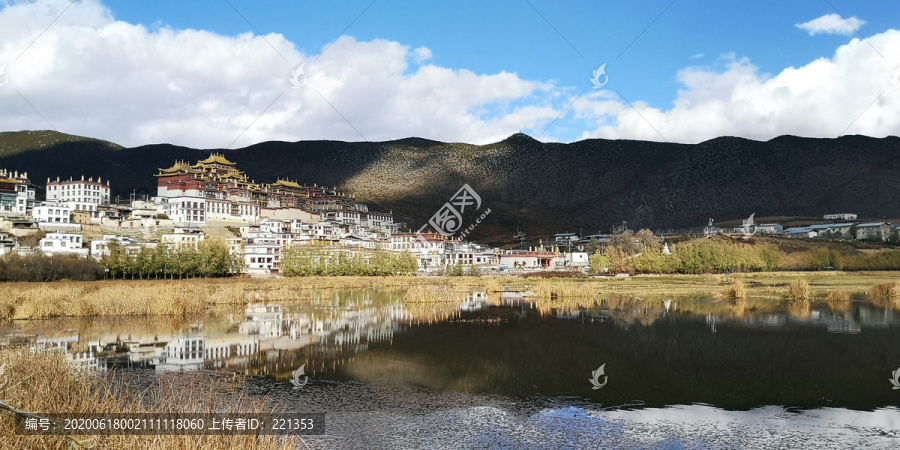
542	187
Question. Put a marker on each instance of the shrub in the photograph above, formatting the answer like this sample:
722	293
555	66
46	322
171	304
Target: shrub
887	292
798	290
838	300
735	291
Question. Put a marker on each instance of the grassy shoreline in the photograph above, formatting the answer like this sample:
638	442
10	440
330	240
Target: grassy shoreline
44	383
21	301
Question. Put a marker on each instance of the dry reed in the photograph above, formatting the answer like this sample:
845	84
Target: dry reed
186	297
798	290
735	291
44	383
838	301
886	293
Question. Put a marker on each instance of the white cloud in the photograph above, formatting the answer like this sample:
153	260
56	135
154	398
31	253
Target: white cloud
850	93
832	24
91	75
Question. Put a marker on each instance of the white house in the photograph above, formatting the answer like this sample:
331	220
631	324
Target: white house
573	259
79	195
63	243
16	197
842	216
802	232
378	220
187	211
100	247
344	217
262	255
358	242
877	231
51	214
470	255
7	243
183	237
427	247
832	231
221	209
769	228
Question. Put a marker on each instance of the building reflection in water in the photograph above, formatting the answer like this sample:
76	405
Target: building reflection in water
274	339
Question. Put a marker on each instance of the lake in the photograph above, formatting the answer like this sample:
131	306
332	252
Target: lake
503	371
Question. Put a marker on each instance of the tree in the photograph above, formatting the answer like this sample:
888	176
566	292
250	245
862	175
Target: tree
599	263
619	261
647	239
624	241
592	247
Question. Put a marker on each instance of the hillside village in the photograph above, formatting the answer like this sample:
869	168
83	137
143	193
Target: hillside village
196	201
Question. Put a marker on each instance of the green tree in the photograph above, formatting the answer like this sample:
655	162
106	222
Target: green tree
592	247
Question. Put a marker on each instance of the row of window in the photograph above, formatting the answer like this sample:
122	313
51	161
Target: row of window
72	187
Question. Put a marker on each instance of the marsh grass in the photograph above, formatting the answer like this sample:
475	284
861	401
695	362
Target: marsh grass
46	383
566	288
190	297
886	294
735	291
838	301
798	290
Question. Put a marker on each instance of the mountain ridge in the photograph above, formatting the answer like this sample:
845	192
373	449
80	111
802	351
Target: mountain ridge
539	187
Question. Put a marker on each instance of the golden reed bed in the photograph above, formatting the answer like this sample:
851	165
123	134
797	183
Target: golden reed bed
43	383
185	297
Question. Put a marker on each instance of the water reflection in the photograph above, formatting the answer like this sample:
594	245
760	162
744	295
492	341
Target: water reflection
669	350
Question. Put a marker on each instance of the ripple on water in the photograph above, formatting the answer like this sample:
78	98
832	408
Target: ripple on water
362	415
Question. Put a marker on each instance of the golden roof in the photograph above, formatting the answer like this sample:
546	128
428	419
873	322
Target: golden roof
287	183
216	158
179	166
233	173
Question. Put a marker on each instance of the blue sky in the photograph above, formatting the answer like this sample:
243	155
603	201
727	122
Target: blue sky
650	49
489	37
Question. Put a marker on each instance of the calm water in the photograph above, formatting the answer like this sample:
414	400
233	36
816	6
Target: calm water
503	372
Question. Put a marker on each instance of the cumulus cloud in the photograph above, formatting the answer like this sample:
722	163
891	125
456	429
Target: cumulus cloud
849	93
90	74
831	24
